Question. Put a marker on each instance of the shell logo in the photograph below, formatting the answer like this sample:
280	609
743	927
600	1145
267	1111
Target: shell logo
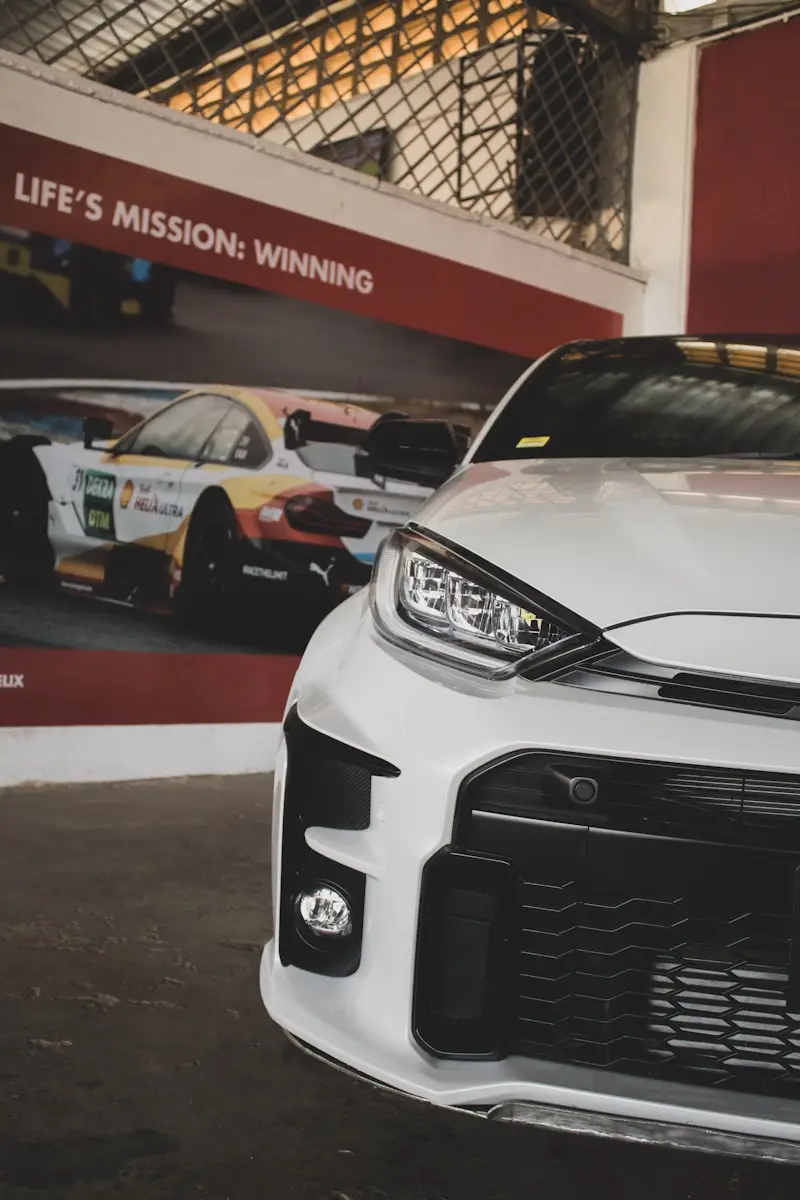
126	495
358	504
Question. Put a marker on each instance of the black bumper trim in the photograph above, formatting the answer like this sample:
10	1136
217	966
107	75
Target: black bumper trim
697	1138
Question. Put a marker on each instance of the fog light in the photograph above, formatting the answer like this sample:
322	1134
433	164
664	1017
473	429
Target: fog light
325	911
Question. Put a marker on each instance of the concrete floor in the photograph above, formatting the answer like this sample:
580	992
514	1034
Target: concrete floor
136	1060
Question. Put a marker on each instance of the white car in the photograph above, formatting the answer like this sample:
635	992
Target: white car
537	805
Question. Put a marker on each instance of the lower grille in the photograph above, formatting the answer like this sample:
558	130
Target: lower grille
635	943
657	985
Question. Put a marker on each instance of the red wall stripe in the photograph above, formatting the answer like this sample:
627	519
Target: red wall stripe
745	266
107	687
411	288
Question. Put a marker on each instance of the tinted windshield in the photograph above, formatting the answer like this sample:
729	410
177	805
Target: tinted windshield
330	457
676	399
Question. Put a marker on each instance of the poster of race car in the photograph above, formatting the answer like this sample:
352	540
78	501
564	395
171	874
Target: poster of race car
199	482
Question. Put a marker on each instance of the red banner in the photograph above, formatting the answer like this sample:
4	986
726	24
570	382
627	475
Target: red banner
87	687
69	192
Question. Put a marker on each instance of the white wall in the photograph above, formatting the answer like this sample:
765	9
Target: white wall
85	754
662	186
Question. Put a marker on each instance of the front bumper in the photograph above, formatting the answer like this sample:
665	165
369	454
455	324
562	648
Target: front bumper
437	728
601	1125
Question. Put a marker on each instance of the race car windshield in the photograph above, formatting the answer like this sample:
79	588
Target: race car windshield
678	399
331	457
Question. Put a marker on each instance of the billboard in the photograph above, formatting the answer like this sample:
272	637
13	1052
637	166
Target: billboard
187	376
183	492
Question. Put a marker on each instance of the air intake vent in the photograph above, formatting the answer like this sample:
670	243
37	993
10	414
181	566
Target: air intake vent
328	783
623	675
738	695
467	912
668	800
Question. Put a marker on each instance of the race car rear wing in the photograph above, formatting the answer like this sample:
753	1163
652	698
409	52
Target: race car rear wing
300	429
418	451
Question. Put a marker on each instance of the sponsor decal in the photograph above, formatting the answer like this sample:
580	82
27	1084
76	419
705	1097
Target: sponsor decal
265	573
325	572
12	681
148	502
126	495
99	486
98	503
378	507
532	443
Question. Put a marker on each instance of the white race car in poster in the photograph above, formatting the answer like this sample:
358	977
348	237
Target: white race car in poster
221	495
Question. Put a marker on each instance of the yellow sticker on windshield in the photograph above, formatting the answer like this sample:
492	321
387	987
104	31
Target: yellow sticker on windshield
532	443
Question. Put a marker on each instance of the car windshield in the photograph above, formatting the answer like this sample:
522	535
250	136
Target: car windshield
681	398
331	457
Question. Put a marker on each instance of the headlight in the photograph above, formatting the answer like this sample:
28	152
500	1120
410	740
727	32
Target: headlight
430	599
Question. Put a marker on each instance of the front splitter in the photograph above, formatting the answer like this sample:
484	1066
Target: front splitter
697	1138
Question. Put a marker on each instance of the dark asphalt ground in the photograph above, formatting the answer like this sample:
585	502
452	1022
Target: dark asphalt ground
59	620
136	1060
223	334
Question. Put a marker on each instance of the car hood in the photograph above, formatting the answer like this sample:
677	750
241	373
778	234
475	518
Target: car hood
618	540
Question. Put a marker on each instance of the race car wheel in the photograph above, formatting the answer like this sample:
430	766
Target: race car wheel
26	556
209	564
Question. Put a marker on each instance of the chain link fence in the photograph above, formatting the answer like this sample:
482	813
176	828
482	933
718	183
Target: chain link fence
515	113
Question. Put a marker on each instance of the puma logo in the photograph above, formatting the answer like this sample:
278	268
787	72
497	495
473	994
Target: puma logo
316	569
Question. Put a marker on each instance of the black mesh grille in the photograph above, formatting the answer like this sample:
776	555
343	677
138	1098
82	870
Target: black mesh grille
330	782
658	984
338	793
655	922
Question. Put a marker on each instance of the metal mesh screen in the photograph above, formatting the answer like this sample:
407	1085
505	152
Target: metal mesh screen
514	113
